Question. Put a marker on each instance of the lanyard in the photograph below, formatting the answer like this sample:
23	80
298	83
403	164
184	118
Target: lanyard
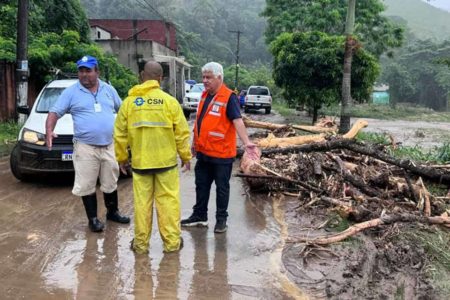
95	95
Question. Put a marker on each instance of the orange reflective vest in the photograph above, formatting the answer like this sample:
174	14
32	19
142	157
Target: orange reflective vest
217	136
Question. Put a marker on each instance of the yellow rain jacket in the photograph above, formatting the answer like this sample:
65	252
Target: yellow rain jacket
148	108
152	123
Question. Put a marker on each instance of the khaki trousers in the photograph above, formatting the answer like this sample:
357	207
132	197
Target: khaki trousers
92	163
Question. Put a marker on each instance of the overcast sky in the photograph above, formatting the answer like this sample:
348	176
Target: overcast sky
443	4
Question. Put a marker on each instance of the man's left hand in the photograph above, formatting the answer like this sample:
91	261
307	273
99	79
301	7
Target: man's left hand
124	167
186	165
252	151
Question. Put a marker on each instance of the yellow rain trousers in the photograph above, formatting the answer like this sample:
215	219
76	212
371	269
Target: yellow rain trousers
167	202
151	123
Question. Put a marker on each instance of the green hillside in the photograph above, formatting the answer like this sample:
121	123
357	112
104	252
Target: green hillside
424	20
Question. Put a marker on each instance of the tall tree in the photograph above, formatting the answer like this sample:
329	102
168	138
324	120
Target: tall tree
308	66
376	32
46	16
350	42
52	47
417	74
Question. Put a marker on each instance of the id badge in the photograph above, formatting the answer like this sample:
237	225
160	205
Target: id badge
97	107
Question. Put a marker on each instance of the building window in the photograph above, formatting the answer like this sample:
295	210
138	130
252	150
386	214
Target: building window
98	34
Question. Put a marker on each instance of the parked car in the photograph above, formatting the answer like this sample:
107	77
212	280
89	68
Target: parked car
188	84
191	99
258	97
30	155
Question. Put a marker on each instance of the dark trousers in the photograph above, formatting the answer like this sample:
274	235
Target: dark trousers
205	174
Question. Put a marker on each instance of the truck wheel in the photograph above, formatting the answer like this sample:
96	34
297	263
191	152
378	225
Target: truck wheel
268	111
186	114
14	164
246	110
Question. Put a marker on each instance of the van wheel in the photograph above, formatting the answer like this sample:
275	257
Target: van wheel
246	110
268	111
186	114
14	164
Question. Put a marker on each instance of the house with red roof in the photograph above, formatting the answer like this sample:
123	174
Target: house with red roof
135	42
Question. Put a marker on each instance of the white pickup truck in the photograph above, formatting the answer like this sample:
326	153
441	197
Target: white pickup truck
258	97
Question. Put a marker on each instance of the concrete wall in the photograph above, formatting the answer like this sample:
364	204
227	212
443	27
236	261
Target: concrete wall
128	53
131	52
98	33
159	49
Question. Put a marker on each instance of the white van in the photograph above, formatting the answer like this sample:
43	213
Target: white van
30	155
192	98
258	97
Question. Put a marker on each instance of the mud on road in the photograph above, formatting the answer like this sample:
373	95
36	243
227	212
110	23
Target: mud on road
386	262
47	251
426	135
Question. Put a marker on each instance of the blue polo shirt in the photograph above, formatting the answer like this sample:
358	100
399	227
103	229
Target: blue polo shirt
93	114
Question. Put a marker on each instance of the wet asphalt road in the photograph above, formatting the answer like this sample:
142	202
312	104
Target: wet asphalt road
47	251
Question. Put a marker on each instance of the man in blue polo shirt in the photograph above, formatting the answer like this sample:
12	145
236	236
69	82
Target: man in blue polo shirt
92	104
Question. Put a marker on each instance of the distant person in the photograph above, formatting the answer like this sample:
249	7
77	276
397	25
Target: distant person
92	104
152	123
217	122
242	98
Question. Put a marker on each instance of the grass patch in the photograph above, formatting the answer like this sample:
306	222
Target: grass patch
438	154
372	137
8	132
8	135
403	111
436	243
336	223
283	110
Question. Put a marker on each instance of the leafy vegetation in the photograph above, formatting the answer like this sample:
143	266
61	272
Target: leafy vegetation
439	154
437	246
308	48
418	74
308	66
8	135
255	75
58	37
374	30
8	131
375	138
282	108
45	16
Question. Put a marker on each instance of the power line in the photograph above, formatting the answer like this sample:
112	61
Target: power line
152	8
238	34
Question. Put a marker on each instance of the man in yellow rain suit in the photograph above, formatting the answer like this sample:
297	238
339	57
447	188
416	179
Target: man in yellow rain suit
152	124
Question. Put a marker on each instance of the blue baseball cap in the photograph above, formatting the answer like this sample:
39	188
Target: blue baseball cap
87	62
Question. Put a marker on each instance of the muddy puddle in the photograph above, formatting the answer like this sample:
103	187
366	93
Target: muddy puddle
47	252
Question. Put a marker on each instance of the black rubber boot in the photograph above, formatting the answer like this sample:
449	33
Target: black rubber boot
90	205
111	204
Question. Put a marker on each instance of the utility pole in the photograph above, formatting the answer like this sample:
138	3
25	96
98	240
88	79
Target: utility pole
238	33
21	57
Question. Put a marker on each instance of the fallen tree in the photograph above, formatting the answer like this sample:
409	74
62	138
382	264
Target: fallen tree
359	181
438	175
383	220
319	128
273	142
